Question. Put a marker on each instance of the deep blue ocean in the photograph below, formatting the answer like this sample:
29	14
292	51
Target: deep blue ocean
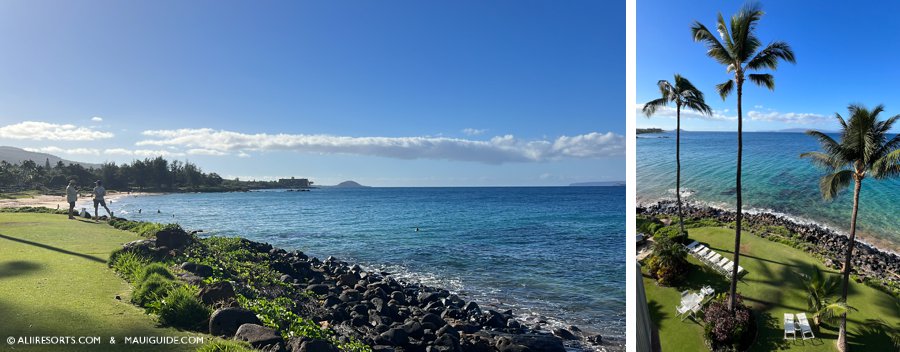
775	179
551	252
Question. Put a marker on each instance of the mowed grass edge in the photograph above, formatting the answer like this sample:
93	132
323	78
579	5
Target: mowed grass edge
54	281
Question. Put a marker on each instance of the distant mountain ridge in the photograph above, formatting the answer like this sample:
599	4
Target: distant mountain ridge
15	155
598	184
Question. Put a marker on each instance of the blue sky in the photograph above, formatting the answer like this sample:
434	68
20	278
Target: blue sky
845	54
387	93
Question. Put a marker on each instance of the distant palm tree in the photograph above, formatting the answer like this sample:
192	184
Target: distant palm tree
682	93
863	149
738	52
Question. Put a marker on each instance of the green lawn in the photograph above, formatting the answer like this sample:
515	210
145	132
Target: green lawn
54	282
771	288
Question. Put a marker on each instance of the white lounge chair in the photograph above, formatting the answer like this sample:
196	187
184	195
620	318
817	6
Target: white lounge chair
804	326
692	245
707	290
682	310
711	259
728	266
702	252
721	263
790	327
699	248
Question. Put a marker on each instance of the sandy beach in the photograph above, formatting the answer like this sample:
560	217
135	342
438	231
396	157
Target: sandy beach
52	202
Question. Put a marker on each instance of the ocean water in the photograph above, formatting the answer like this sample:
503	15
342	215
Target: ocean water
775	179
551	252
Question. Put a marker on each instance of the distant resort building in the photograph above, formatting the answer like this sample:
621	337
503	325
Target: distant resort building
294	182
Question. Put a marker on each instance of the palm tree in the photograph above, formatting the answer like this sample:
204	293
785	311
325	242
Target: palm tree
818	290
738	52
863	150
682	93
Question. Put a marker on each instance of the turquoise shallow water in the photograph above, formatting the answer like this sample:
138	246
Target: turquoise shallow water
554	252
776	180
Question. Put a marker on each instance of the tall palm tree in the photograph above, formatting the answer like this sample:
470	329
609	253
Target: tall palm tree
683	94
738	52
863	149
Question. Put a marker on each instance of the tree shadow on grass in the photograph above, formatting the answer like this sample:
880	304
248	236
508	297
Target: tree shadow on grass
18	267
51	321
874	335
766	339
56	249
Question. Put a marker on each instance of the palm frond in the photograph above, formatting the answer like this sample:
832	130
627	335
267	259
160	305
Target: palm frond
651	106
887	166
830	146
743	25
833	311
763	79
714	48
724	89
832	184
826	161
770	55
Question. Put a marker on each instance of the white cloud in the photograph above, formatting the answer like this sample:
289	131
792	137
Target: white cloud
669	112
68	151
38	131
787	117
201	151
755	115
141	152
473	131
97	119
497	150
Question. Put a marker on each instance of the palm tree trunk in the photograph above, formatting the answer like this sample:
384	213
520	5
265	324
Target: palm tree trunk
678	166
737	229
842	332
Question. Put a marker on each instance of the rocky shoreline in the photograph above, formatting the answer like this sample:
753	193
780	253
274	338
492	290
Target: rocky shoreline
367	306
868	261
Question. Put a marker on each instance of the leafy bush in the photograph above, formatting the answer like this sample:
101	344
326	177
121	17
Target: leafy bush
668	261
276	314
127	264
703	222
151	269
182	309
153	288
726	332
225	346
672	232
143	228
43	210
648	225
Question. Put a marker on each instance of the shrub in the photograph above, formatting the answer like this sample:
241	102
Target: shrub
672	232
182	309
225	346
151	289
127	264
726	332
668	262
648	225
704	222
153	268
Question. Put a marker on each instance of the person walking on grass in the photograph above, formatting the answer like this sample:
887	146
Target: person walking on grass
71	197
99	193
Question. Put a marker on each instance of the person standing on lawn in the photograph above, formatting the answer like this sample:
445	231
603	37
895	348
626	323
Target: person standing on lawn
71	197
99	193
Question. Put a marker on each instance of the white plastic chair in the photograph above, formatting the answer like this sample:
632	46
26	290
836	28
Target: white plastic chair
790	327
804	326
